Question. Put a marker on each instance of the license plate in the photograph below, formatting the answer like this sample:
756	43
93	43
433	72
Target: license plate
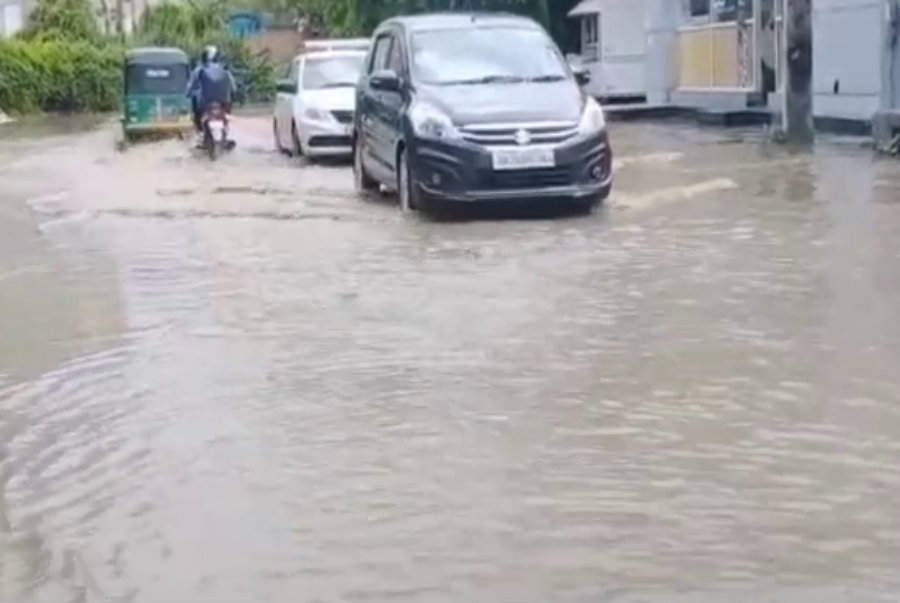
523	159
216	126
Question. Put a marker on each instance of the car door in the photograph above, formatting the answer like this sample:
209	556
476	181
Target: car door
392	103
295	111
284	106
369	131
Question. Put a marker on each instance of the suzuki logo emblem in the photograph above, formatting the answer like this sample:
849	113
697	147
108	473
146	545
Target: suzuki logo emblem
522	137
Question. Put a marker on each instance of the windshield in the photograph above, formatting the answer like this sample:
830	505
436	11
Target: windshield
160	79
332	72
485	55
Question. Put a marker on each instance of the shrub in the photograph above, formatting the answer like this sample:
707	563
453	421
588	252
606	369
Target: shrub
62	63
59	75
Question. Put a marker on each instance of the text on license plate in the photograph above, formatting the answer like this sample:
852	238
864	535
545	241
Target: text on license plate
523	159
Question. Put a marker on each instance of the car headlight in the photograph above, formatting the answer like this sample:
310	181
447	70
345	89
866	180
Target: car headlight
314	114
430	122
592	118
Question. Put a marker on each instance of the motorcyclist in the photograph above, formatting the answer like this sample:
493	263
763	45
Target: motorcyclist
210	82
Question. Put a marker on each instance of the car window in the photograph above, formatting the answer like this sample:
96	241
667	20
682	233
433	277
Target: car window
332	72
380	53
478	54
395	56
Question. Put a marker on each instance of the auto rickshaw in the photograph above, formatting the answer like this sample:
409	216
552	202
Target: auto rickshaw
155	104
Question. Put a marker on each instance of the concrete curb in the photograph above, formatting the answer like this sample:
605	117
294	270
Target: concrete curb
730	118
707	117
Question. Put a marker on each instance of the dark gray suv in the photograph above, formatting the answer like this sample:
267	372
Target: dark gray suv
468	108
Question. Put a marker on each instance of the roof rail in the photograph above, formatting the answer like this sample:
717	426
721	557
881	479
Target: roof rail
336	44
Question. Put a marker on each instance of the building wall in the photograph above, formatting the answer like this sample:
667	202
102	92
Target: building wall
11	17
848	38
700	62
848	60
281	44
890	89
662	17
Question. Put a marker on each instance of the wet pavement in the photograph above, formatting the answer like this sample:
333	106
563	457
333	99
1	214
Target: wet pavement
240	382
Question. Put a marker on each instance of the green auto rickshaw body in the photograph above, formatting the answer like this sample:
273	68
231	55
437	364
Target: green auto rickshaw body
155	83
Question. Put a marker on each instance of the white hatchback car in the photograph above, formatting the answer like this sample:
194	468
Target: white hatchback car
313	113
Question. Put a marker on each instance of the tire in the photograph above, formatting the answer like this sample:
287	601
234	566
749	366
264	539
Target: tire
209	144
407	192
361	179
297	148
276	138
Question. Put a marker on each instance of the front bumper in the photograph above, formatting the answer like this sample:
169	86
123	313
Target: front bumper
159	126
325	139
456	170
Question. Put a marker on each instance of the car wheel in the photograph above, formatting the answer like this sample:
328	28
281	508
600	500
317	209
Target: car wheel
297	150
407	192
361	179
275	137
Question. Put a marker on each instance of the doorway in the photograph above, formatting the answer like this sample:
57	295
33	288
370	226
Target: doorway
771	26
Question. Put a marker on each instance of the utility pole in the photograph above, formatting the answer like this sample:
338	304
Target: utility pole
798	95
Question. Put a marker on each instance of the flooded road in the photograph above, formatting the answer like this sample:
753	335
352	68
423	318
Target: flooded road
240	382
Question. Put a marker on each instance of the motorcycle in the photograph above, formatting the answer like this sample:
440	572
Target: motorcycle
215	131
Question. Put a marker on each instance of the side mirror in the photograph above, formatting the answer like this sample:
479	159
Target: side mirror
286	87
385	81
576	64
582	75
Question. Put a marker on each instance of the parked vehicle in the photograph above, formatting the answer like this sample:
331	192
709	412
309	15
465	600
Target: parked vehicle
313	113
329	45
154	101
215	131
477	107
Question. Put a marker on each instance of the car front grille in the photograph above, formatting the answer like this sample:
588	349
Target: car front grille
344	117
527	179
517	134
330	140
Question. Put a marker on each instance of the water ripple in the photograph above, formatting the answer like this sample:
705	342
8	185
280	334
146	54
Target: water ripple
692	400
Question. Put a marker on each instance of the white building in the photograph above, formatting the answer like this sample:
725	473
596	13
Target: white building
725	54
12	17
614	46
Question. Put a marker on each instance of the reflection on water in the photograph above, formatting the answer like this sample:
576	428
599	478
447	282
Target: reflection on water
692	396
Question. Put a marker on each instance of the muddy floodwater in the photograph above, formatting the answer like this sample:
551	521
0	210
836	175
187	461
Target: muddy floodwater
239	382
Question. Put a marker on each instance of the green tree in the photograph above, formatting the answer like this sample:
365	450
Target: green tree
360	17
188	24
193	24
62	20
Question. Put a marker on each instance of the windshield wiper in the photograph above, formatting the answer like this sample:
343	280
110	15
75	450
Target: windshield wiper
489	79
339	85
547	78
